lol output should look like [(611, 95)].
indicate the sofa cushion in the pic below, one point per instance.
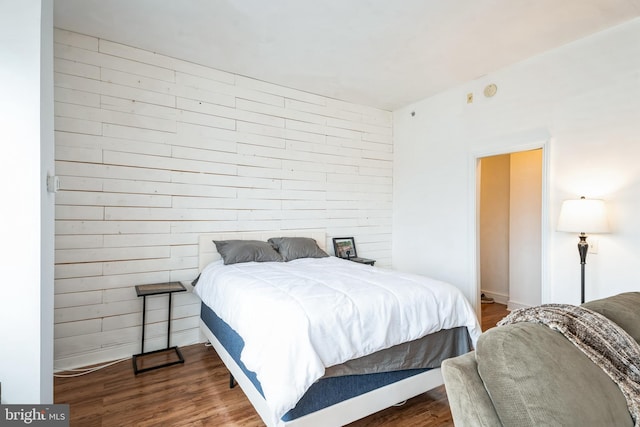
[(623, 309), (536, 377)]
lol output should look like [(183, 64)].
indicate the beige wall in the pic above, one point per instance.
[(510, 227), (525, 229), (494, 227)]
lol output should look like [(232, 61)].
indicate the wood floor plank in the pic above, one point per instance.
[(197, 394)]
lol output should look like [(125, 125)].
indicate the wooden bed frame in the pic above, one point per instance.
[(340, 413)]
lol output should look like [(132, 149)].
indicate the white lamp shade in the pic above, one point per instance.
[(583, 216)]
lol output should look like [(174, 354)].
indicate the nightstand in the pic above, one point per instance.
[(363, 260), (157, 289)]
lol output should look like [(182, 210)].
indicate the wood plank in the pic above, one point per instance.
[(76, 68), (274, 89), (110, 254), (75, 39), (79, 97)]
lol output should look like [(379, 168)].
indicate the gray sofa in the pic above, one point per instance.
[(527, 374)]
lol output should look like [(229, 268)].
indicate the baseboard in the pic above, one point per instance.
[(514, 305), (499, 298)]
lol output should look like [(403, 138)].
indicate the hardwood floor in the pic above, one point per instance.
[(181, 395), (492, 314)]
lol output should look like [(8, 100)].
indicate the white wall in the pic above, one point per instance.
[(586, 95), (26, 219), (153, 151)]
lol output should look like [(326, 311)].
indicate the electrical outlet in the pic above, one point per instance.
[(593, 245)]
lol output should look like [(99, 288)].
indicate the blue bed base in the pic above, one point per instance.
[(325, 392)]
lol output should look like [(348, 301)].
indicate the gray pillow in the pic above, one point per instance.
[(237, 251), (297, 247)]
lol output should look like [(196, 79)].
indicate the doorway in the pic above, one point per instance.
[(510, 229)]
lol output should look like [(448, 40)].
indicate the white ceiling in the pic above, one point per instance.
[(381, 53)]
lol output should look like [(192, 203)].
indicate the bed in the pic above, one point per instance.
[(323, 368)]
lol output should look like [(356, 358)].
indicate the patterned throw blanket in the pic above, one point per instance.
[(601, 340)]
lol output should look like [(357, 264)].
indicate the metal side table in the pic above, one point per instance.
[(157, 289)]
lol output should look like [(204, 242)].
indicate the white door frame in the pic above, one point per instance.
[(474, 215)]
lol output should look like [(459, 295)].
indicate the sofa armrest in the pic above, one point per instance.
[(470, 404)]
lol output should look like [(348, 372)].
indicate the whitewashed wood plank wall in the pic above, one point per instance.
[(152, 151)]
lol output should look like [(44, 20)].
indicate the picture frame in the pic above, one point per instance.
[(345, 247)]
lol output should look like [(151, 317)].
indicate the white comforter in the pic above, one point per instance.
[(298, 317)]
